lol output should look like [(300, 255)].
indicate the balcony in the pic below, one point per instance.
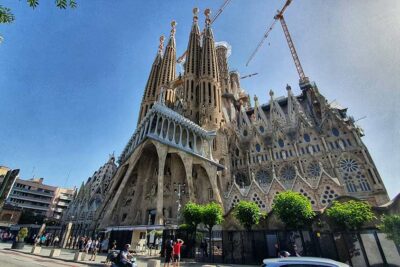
[(31, 198), (33, 207), (34, 192)]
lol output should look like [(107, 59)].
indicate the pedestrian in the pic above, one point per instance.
[(43, 240), (177, 252), (95, 248), (81, 244), (168, 252), (56, 241), (203, 246), (114, 245), (88, 245)]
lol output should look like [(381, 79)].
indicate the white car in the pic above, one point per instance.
[(302, 262)]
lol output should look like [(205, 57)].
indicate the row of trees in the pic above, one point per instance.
[(295, 211)]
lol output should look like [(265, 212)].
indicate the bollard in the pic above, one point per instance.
[(36, 250), (153, 263), (78, 256), (55, 252), (83, 257)]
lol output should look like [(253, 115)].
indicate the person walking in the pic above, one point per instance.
[(168, 252), (88, 245), (95, 249), (177, 252)]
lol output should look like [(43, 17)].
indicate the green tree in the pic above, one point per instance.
[(351, 214), (23, 232), (192, 214), (391, 226), (6, 15), (212, 215), (247, 213), (293, 209)]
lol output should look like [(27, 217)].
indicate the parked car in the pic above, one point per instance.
[(302, 262)]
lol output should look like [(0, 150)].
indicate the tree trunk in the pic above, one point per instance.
[(209, 235)]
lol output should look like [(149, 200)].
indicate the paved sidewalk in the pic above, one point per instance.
[(67, 256)]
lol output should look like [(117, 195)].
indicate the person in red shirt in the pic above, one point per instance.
[(177, 252)]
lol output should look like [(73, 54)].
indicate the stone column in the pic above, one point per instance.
[(212, 175), (66, 235), (188, 163), (162, 154)]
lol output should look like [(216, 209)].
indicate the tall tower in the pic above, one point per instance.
[(168, 63), (192, 66), (149, 95), (210, 89)]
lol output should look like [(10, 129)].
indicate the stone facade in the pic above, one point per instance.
[(89, 198), (199, 138)]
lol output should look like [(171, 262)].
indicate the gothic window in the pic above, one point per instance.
[(263, 177), (304, 193), (288, 173), (281, 143), (307, 138), (335, 131), (314, 170), (257, 199), (241, 179), (235, 201), (353, 175), (328, 195), (258, 147), (348, 165)]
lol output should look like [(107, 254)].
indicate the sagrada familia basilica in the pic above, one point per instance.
[(200, 139)]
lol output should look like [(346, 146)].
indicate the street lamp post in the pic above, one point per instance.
[(179, 190)]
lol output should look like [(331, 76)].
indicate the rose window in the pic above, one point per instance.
[(241, 179), (263, 177), (288, 172), (314, 170), (348, 165)]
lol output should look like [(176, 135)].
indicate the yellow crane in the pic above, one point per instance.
[(279, 16)]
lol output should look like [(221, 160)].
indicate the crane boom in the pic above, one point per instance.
[(261, 42), (220, 10), (279, 16), (296, 59)]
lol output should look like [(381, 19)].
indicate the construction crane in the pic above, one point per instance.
[(226, 2), (248, 76), (279, 16)]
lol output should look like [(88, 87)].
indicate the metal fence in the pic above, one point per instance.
[(363, 248)]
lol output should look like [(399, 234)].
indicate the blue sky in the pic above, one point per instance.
[(71, 81)]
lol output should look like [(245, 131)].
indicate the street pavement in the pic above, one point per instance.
[(23, 258)]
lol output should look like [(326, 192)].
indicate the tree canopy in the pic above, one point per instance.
[(212, 215), (293, 209), (391, 226), (247, 213), (192, 214), (351, 214), (6, 15)]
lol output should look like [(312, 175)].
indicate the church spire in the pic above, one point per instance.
[(168, 64), (209, 67), (210, 88), (191, 89), (151, 86), (193, 49)]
